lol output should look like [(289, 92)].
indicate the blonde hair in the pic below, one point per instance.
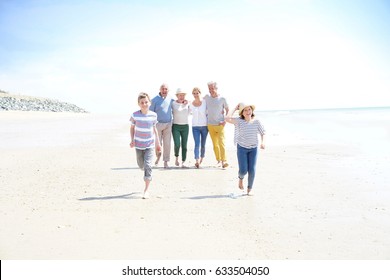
[(196, 89)]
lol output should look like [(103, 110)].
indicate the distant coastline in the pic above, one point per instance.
[(14, 102)]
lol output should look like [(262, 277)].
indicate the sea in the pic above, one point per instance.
[(364, 128)]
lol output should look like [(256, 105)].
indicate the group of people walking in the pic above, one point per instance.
[(173, 121), (161, 118)]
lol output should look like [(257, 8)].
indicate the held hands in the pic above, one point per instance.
[(185, 101)]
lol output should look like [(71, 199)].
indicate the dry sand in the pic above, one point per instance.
[(70, 189)]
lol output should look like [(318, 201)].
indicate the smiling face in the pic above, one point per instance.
[(247, 112), (144, 102), (181, 96), (196, 93), (213, 90), (164, 90)]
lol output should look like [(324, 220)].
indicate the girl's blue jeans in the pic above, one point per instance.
[(200, 134), (247, 163)]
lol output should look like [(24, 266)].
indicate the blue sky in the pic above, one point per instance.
[(280, 54)]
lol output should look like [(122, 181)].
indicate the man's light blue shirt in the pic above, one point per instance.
[(163, 108)]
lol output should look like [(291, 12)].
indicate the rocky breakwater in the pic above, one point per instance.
[(12, 102)]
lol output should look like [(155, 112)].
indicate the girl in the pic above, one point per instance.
[(247, 129)]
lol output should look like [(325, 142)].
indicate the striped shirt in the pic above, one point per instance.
[(144, 124), (246, 134)]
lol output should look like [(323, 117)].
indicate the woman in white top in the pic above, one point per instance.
[(199, 126), (180, 127), (247, 129)]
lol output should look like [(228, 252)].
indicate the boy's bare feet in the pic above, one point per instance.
[(146, 195)]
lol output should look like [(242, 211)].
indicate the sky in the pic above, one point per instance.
[(279, 55)]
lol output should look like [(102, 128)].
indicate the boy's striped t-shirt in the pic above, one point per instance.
[(144, 123)]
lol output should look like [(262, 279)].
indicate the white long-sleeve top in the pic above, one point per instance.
[(199, 114), (180, 113)]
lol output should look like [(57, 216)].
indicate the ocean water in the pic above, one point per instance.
[(367, 129)]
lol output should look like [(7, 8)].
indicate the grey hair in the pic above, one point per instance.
[(212, 84), (163, 85)]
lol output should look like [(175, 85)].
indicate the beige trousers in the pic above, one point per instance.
[(165, 135)]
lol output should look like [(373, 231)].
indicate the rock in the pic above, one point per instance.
[(9, 102)]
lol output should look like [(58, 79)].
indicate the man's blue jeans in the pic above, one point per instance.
[(200, 134), (247, 163)]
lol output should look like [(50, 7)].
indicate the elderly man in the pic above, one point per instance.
[(217, 108), (162, 106)]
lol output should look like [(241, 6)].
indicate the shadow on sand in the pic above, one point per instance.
[(132, 195), (230, 195)]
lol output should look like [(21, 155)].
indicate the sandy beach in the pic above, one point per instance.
[(70, 189)]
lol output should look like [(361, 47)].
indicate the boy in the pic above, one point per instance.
[(144, 138)]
